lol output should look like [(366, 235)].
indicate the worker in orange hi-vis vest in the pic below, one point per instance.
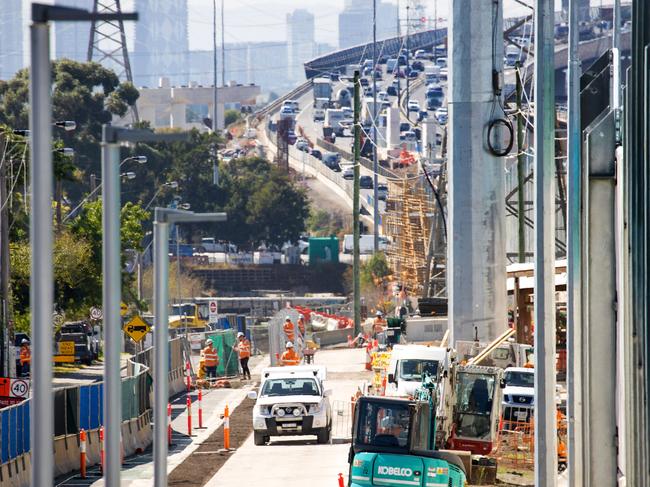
[(379, 324), (289, 329), (211, 359), (289, 357), (301, 325), (243, 349), (25, 358)]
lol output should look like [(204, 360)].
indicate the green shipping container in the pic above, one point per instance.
[(323, 249)]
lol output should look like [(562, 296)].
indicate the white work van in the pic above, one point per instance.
[(292, 401), (408, 364)]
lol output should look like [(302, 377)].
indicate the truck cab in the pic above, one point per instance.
[(292, 401), (189, 315), (393, 445), (408, 365), (518, 394)]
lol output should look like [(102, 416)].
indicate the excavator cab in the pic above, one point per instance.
[(477, 408), (393, 445)]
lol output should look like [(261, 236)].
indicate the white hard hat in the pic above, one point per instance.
[(288, 318), (289, 345), (24, 341), (240, 334), (208, 341), (379, 313)]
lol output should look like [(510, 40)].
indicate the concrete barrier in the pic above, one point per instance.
[(334, 337)]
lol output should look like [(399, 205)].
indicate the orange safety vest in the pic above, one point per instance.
[(25, 355), (290, 357), (210, 356), (244, 348), (289, 328), (301, 325)]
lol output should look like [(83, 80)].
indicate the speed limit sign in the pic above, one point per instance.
[(19, 388)]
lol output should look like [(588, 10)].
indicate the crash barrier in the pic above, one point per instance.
[(515, 446), (342, 417), (331, 337), (276, 104), (223, 341), (365, 162)]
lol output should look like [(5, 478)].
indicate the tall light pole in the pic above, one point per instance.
[(215, 125), (375, 202), (163, 217), (112, 288), (41, 277), (544, 137)]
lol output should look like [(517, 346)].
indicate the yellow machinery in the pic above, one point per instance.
[(189, 315)]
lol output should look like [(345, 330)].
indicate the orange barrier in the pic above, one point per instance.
[(82, 453), (200, 410), (101, 448), (341, 481), (189, 416), (169, 423), (226, 428)]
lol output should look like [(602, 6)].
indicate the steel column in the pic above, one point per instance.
[(544, 137), (41, 277), (112, 298), (161, 347)]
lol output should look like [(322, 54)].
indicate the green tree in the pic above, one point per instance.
[(231, 116)]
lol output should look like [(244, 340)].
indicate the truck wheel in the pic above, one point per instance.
[(324, 435), (259, 439)]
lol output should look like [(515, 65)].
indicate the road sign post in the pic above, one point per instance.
[(214, 311)]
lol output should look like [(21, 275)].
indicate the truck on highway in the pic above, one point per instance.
[(292, 401), (432, 74), (393, 443), (320, 105), (338, 120), (322, 88)]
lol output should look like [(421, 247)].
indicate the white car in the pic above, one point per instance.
[(518, 394), (292, 401), (441, 115), (413, 106)]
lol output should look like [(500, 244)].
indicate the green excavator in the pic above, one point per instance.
[(393, 443)]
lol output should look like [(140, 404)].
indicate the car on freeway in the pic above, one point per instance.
[(291, 137), (292, 401), (442, 62), (332, 160), (364, 82), (391, 90), (420, 54), (365, 182), (401, 60), (518, 394), (348, 173), (382, 95), (316, 153), (408, 136), (433, 103), (286, 112), (444, 72), (417, 65), (382, 192), (377, 74), (441, 115), (412, 73), (302, 145), (422, 114), (404, 127), (413, 106), (385, 104), (391, 65), (400, 73)]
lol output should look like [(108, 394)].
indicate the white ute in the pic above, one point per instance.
[(292, 401)]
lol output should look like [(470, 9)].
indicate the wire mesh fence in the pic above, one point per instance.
[(342, 417)]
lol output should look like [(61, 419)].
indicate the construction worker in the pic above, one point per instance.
[(211, 359), (243, 349), (289, 328), (25, 358), (301, 325), (289, 357), (379, 324)]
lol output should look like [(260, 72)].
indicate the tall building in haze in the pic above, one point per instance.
[(71, 38), (161, 42), (355, 22), (300, 41), (11, 38)]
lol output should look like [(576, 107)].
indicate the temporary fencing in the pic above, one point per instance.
[(80, 408), (342, 417)]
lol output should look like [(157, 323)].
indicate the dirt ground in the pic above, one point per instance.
[(203, 463)]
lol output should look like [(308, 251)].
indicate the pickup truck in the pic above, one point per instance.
[(85, 338), (209, 244), (292, 401)]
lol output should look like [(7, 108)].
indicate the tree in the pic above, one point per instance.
[(231, 116)]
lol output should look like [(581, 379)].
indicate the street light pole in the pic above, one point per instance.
[(163, 217), (375, 168), (41, 277)]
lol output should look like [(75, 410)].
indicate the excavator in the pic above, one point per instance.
[(394, 443)]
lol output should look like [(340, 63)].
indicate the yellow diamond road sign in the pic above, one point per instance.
[(137, 328), (124, 309)]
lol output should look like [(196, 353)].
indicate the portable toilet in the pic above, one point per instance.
[(323, 249)]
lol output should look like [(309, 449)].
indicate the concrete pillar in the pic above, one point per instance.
[(476, 243), (429, 138), (392, 128)]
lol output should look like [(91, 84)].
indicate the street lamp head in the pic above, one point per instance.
[(140, 159), (128, 175), (171, 184), (66, 151), (67, 125)]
